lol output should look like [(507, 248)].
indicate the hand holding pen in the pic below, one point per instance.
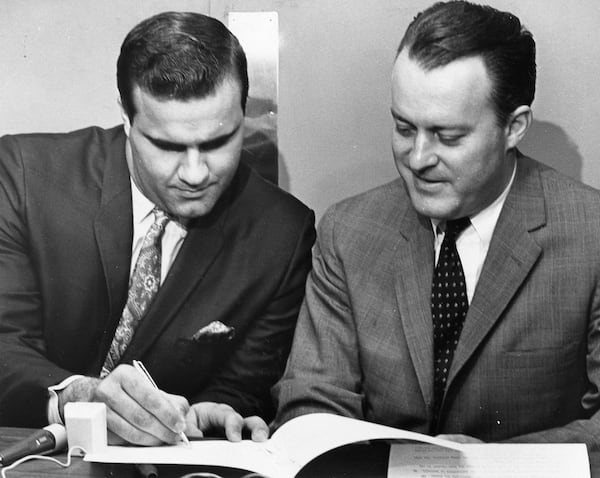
[(216, 417), (136, 412), (139, 366)]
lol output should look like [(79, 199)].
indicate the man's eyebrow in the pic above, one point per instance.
[(398, 116), (450, 127), (220, 140), (163, 143), (211, 143)]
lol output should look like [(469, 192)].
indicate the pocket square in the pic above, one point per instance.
[(214, 331)]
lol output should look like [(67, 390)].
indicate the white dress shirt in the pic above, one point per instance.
[(143, 218), (473, 243), (171, 242)]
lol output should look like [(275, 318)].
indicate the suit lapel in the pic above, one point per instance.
[(511, 255), (202, 245), (414, 269), (113, 227), (199, 250)]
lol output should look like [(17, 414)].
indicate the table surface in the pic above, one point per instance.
[(83, 469), (358, 460)]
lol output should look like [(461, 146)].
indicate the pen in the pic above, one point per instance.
[(140, 367)]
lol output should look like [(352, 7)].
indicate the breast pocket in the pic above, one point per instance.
[(196, 353), (547, 378)]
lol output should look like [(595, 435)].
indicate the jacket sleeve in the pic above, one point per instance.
[(25, 372), (323, 371)]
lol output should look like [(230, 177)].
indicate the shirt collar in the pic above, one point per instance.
[(142, 206), (485, 220)]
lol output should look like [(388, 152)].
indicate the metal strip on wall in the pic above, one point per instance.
[(258, 32)]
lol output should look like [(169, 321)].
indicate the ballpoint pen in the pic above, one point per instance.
[(140, 367)]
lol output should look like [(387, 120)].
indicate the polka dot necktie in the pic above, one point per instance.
[(449, 305), (143, 286)]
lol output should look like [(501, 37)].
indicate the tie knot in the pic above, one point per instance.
[(455, 226), (161, 219)]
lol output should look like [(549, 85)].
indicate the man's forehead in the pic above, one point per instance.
[(460, 71), (460, 85), (229, 83), (189, 121)]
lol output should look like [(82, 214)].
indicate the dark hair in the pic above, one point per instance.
[(179, 55), (448, 31)]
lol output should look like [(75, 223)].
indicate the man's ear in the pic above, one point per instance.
[(124, 117), (518, 124)]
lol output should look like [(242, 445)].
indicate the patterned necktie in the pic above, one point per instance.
[(143, 286), (449, 305)]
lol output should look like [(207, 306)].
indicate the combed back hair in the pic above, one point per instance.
[(179, 56), (449, 31)]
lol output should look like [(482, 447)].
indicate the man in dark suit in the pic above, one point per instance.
[(463, 298), (150, 241)]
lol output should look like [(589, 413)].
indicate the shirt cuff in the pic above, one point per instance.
[(52, 409)]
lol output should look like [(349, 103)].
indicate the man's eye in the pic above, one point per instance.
[(404, 131), (450, 140), (170, 147)]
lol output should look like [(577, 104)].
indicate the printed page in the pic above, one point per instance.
[(489, 461)]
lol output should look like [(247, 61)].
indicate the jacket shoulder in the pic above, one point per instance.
[(380, 206), (259, 196), (560, 191), (46, 150), (49, 141)]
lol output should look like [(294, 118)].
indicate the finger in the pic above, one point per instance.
[(154, 400), (135, 404), (191, 428), (218, 416), (118, 406), (180, 403), (233, 424), (211, 415), (168, 410), (114, 439), (127, 419), (259, 431), (122, 430)]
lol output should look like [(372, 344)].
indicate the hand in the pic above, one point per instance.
[(458, 438), (136, 412), (205, 417)]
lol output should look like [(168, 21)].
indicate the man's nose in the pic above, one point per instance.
[(423, 154), (193, 168)]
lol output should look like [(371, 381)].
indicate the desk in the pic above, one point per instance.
[(83, 469), (359, 462)]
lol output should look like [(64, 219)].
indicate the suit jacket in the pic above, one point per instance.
[(65, 253), (527, 365)]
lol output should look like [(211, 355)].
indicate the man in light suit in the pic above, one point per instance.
[(74, 213), (525, 363)]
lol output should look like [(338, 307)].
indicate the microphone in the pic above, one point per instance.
[(48, 439)]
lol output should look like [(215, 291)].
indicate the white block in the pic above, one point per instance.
[(86, 426)]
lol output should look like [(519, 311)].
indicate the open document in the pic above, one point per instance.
[(304, 438), (514, 460)]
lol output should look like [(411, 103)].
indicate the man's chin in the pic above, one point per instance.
[(192, 211), (433, 208)]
